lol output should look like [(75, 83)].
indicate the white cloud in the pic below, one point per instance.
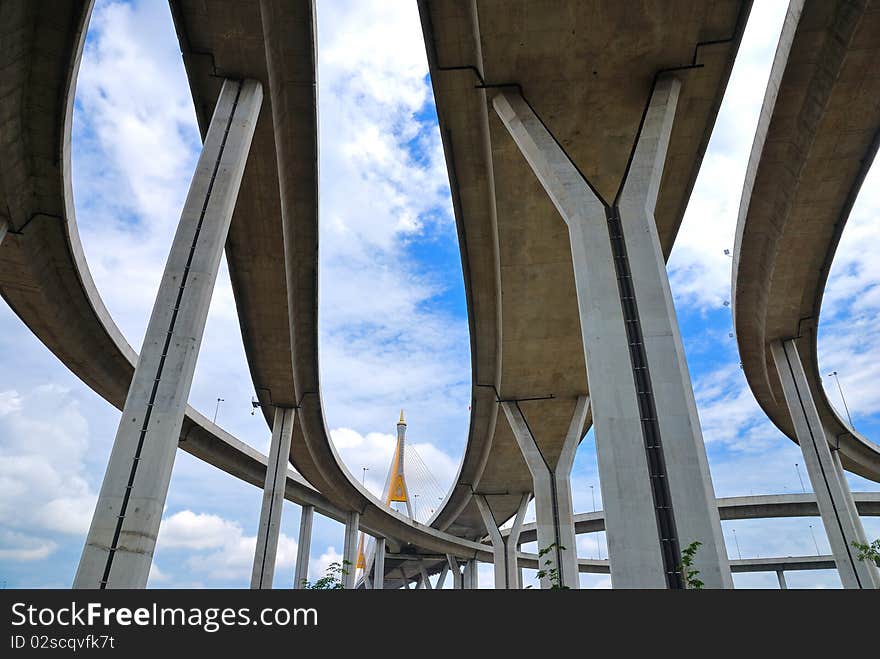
[(699, 271), (197, 531), (22, 547), (217, 548), (44, 487)]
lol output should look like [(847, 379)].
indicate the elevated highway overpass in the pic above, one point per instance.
[(817, 135), (527, 330)]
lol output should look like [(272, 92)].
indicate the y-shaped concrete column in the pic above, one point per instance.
[(442, 578), (119, 547), (554, 512), (832, 492), (455, 569), (425, 581), (379, 565), (658, 495), (349, 549), (504, 546), (273, 499), (303, 546)]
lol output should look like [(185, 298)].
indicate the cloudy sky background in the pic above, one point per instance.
[(393, 318)]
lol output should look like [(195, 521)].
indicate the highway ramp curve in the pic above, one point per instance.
[(817, 135)]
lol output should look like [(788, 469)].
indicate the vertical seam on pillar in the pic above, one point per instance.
[(664, 514), (554, 502), (819, 461), (120, 519)]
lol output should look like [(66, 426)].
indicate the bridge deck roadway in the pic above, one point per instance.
[(817, 136), (587, 68)]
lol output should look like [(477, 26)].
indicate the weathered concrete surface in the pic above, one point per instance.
[(43, 272), (817, 135), (588, 69), (118, 552)]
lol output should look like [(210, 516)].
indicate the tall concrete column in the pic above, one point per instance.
[(504, 547), (4, 228), (379, 565), (273, 499), (842, 526), (653, 470), (425, 581), (349, 549), (119, 547), (303, 546), (554, 513), (455, 569), (471, 577)]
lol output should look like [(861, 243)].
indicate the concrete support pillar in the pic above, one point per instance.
[(303, 547), (554, 512), (349, 549), (836, 507), (471, 578), (119, 547), (425, 581), (273, 500), (4, 228), (379, 565), (780, 575), (442, 578), (455, 569), (504, 546), (654, 474)]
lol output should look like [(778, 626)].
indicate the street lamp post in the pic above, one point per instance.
[(842, 398)]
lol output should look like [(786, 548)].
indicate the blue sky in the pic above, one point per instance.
[(393, 328)]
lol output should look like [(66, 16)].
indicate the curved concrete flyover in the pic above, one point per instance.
[(43, 272), (588, 70), (44, 276), (817, 135), (272, 249)]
